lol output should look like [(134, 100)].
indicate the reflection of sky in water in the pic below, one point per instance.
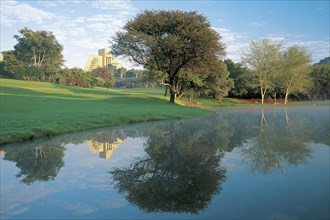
[(83, 171), (83, 187)]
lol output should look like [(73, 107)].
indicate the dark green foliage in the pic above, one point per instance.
[(75, 77), (3, 73), (120, 72), (238, 73), (324, 61), (12, 66), (131, 83), (217, 84), (137, 79), (321, 81), (104, 77), (134, 73)]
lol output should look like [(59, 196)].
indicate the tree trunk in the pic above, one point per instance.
[(263, 122), (173, 91), (172, 97), (166, 88), (286, 96), (35, 59), (262, 95), (181, 95), (42, 59)]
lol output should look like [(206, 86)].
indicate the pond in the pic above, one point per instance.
[(270, 163)]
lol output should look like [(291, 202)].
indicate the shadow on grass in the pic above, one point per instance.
[(79, 94)]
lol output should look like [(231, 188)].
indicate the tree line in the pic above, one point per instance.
[(182, 53)]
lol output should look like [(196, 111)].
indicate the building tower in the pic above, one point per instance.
[(103, 59)]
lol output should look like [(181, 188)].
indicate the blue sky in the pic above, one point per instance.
[(82, 27)]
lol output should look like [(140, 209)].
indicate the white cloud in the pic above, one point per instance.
[(50, 4), (234, 42), (258, 24), (318, 49), (79, 208), (14, 12), (105, 27), (105, 23), (113, 5), (69, 11), (275, 38), (90, 43), (228, 35)]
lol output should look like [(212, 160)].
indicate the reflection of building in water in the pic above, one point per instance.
[(2, 152), (104, 149)]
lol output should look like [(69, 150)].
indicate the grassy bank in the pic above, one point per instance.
[(33, 109)]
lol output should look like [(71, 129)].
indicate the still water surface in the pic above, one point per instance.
[(237, 164)]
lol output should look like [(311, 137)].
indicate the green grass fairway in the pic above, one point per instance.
[(33, 109)]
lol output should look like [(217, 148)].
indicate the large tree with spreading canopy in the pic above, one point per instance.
[(37, 55), (168, 42)]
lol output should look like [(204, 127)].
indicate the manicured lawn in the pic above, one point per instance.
[(33, 109)]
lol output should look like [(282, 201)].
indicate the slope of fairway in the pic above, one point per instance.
[(34, 109)]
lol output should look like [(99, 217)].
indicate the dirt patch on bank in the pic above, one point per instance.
[(266, 101)]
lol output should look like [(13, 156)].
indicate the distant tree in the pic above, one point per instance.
[(36, 56), (167, 41), (263, 59), (134, 73), (130, 74), (321, 81), (106, 74), (13, 66), (137, 79), (238, 73), (38, 48), (217, 83), (120, 72), (295, 76), (75, 77), (99, 81), (2, 70), (324, 61)]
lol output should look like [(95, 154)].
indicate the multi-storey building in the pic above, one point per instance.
[(103, 59)]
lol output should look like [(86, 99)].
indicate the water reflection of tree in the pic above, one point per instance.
[(38, 162), (180, 172), (280, 142)]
